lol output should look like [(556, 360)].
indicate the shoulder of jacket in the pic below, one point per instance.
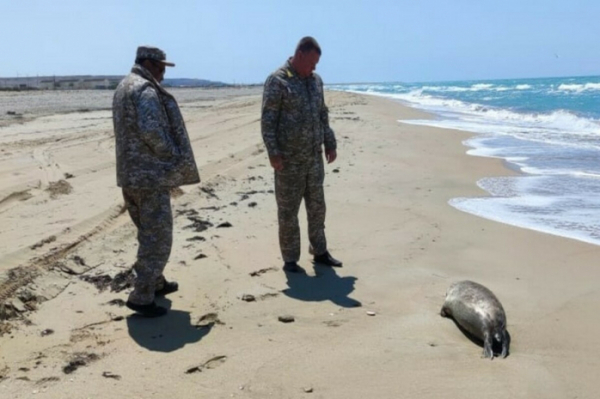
[(283, 74), (133, 84), (317, 77)]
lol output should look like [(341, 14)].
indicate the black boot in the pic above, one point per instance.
[(169, 287), (293, 267), (327, 260), (151, 310)]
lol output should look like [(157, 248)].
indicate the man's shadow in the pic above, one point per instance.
[(166, 333), (326, 285)]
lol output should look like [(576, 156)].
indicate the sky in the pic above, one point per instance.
[(242, 41)]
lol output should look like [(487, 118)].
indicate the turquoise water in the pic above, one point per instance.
[(548, 128)]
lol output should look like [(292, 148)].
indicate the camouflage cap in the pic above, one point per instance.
[(152, 53)]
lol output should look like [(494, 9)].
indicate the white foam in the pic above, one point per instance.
[(579, 87), (557, 151), (575, 222)]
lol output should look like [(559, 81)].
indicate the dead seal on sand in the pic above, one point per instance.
[(479, 314)]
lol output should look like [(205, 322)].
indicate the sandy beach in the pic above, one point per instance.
[(371, 329)]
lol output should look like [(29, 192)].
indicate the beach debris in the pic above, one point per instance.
[(101, 281), (195, 369), (46, 380), (248, 298), (371, 313), (210, 208), (308, 389), (78, 360), (46, 332), (198, 225), (262, 271), (188, 212), (196, 238), (79, 260), (286, 318), (225, 224), (108, 374), (120, 282), (208, 365), (209, 191), (24, 300), (61, 187)]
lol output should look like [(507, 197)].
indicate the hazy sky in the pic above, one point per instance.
[(242, 41)]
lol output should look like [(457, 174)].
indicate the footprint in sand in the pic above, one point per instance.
[(334, 323), (208, 320)]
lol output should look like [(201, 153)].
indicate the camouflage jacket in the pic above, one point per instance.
[(295, 121), (152, 144)]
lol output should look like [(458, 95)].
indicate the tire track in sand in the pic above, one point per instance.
[(23, 269)]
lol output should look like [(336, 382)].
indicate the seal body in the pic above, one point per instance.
[(477, 310)]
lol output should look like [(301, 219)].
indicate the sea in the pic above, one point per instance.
[(548, 129)]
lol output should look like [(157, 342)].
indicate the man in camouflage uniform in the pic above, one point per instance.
[(295, 125), (154, 155)]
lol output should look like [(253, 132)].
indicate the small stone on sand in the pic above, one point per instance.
[(286, 318)]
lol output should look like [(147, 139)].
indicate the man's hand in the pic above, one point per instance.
[(330, 155), (276, 162)]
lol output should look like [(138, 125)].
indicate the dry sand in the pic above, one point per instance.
[(64, 239)]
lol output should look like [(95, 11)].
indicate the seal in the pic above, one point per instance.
[(478, 312)]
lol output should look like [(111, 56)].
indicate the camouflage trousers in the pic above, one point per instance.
[(150, 210), (292, 184)]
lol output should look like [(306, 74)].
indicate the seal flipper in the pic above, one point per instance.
[(488, 341), (505, 343)]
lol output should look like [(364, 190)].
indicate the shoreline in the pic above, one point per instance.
[(389, 221), (513, 170)]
